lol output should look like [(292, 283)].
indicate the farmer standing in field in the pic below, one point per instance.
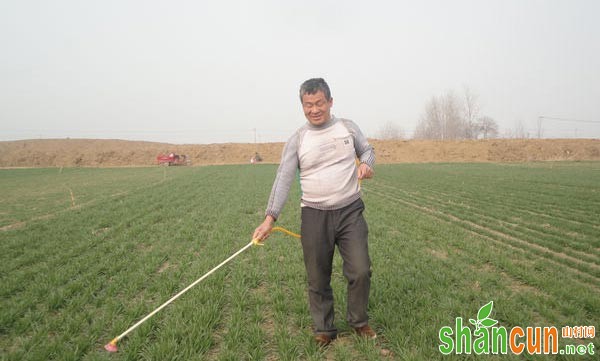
[(325, 151)]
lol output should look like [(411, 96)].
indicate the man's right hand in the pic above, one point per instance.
[(263, 231), (364, 171)]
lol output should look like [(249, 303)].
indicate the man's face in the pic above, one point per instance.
[(317, 109)]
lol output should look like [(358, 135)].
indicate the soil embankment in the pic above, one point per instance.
[(110, 153)]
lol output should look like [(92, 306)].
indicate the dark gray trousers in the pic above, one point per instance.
[(321, 231)]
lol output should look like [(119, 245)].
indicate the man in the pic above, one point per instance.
[(325, 151)]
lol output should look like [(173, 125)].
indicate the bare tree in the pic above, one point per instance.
[(455, 126), (520, 130), (390, 130), (442, 119), (487, 127), (470, 113), (429, 126)]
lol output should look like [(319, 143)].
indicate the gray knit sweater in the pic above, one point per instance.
[(326, 157)]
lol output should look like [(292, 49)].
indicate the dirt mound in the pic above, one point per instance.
[(495, 150), (109, 153)]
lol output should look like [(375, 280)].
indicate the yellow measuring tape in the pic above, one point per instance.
[(280, 229), (112, 345), (258, 242)]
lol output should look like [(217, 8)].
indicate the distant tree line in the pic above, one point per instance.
[(448, 117)]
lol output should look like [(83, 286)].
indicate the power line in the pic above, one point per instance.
[(571, 120)]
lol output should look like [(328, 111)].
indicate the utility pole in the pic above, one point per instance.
[(539, 127)]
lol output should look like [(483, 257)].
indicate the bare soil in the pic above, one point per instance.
[(111, 153)]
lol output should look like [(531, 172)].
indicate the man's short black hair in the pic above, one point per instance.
[(312, 86)]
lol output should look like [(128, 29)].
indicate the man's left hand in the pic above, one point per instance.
[(364, 171)]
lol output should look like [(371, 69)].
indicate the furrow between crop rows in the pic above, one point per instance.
[(518, 209), (497, 221), (490, 193), (534, 250), (484, 198)]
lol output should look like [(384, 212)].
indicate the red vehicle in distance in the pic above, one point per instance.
[(171, 159)]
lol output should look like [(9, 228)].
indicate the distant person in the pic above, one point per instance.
[(256, 158), (325, 150)]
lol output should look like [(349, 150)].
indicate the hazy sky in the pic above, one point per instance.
[(212, 71)]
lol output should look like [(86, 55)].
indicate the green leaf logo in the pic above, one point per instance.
[(485, 311), (483, 317)]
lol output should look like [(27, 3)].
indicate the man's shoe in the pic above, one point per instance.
[(366, 331), (323, 340)]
